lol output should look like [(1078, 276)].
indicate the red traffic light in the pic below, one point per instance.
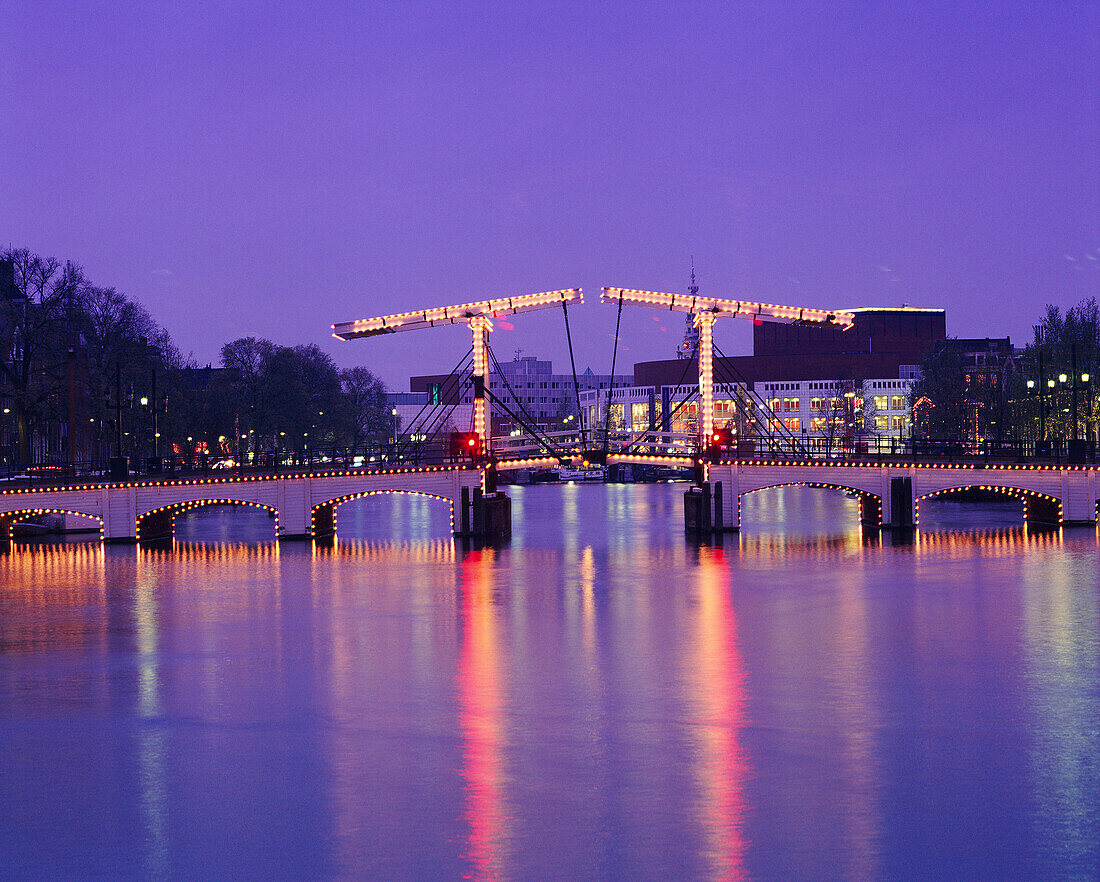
[(465, 444)]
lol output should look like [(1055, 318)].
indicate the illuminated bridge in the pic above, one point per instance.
[(462, 470), (305, 506)]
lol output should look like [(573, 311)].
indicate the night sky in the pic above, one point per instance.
[(270, 168)]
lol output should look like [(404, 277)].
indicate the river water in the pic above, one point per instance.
[(598, 698)]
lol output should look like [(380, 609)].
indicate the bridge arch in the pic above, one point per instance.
[(160, 523), (870, 504), (322, 517), (1038, 507), (9, 518)]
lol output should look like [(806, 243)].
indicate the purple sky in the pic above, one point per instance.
[(275, 168)]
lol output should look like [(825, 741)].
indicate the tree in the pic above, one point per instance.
[(1063, 342), (245, 393), (936, 399), (119, 357), (365, 411), (38, 340), (292, 393)]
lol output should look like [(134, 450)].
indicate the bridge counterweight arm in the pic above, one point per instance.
[(765, 312), (453, 315)]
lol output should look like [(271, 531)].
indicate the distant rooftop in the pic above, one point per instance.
[(893, 309)]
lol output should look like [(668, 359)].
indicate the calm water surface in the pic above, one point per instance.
[(600, 698)]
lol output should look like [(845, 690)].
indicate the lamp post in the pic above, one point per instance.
[(1050, 392), (1073, 367), (6, 434), (1042, 413), (144, 401), (1030, 392), (849, 420), (1085, 378), (1076, 380)]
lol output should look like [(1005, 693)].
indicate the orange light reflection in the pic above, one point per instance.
[(717, 685), (480, 701)]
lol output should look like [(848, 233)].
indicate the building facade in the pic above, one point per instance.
[(823, 413), (526, 386)]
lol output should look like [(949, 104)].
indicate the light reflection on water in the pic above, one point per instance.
[(599, 697)]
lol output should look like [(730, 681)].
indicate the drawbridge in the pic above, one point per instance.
[(748, 423)]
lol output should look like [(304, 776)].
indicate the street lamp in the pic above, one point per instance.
[(1088, 404), (1030, 392), (1075, 379)]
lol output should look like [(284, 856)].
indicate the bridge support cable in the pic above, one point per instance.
[(573, 365), (755, 410), (440, 425), (418, 422), (530, 424), (755, 413), (543, 441), (730, 376), (452, 384), (653, 422), (611, 381)]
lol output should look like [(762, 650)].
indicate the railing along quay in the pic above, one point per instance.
[(401, 455), (373, 458)]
